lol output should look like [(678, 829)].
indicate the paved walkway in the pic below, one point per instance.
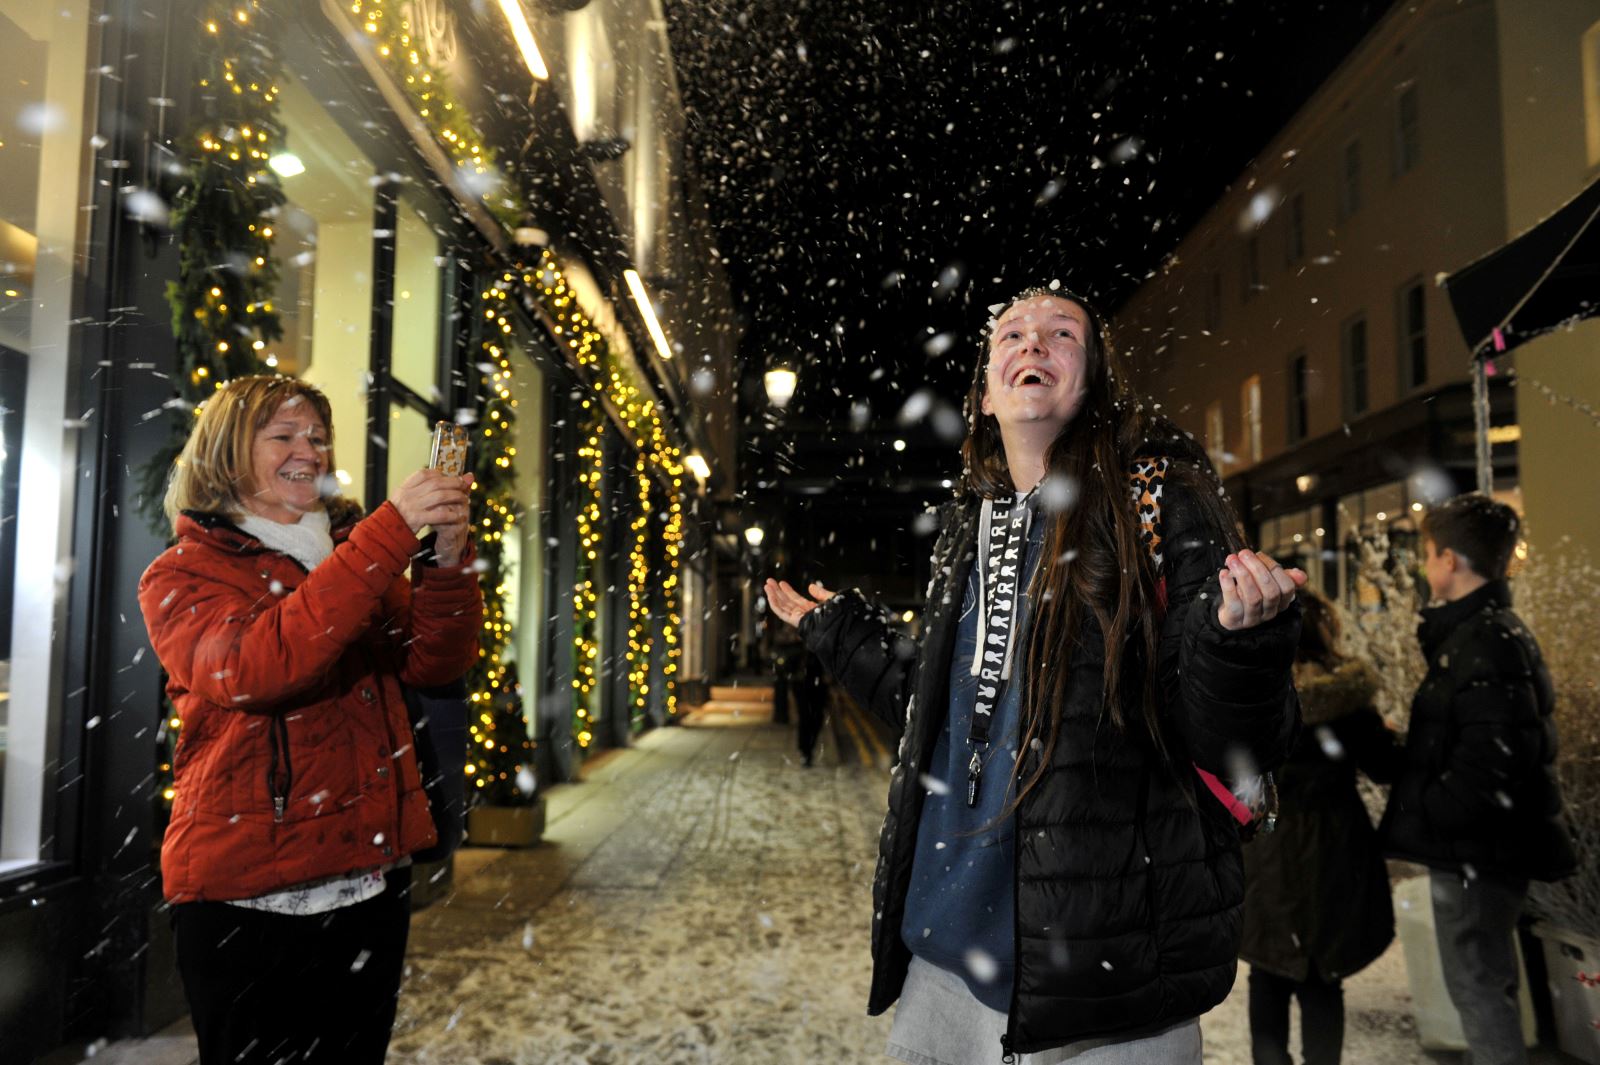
[(700, 898)]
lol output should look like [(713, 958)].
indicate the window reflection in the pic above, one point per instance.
[(324, 250)]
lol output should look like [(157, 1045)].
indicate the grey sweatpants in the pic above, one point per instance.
[(940, 1022), (1475, 918)]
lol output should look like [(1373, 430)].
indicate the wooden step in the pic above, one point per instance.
[(721, 714), (740, 693)]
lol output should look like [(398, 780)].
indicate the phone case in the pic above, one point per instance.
[(449, 454)]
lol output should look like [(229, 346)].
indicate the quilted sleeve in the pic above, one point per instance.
[(1229, 694), (236, 648)]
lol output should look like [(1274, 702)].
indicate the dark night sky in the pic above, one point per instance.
[(881, 172)]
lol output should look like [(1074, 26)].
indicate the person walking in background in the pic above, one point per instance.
[(811, 700), (1476, 798), (1316, 903), (1053, 882), (286, 624)]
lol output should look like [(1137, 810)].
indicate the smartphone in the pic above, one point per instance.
[(449, 454)]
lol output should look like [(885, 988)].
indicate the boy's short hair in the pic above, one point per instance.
[(1481, 532)]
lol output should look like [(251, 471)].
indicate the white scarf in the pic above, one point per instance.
[(308, 541)]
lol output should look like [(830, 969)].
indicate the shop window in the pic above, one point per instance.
[(526, 603), (44, 53), (1412, 323), (1407, 130), (1250, 409), (325, 253), (1350, 180), (1353, 346), (418, 298)]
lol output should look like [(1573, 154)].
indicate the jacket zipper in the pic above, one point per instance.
[(280, 751), (279, 737), (1008, 1038)]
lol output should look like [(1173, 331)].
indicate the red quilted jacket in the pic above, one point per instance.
[(295, 758)]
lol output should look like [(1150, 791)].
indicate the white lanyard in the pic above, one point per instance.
[(1003, 539)]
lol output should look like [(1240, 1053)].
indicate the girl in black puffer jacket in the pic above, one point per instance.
[(1316, 904), (1053, 878)]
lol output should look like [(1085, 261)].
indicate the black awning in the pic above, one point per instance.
[(1546, 278)]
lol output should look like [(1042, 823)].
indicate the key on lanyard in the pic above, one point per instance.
[(974, 771)]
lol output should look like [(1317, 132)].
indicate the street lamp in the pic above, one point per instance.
[(780, 384), (754, 535)]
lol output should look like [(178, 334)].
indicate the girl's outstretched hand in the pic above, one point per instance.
[(1255, 589), (791, 605)]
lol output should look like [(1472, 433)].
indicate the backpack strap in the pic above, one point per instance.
[(1146, 482)]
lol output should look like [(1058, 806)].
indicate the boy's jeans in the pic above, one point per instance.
[(1475, 919)]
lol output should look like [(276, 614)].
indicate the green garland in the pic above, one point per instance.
[(502, 764), (221, 303)]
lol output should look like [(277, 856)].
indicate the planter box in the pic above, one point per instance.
[(505, 826), (1438, 1023), (1572, 963)]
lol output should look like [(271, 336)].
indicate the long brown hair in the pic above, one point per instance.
[(1093, 555)]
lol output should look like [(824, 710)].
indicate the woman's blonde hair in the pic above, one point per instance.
[(216, 459)]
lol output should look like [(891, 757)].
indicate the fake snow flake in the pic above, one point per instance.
[(526, 783), (934, 785), (360, 961), (1106, 965), (765, 919), (982, 966), (527, 936), (1330, 744), (1057, 493), (378, 839)]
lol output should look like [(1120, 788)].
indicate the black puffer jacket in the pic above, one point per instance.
[(1479, 788), (1128, 884), (1316, 890)]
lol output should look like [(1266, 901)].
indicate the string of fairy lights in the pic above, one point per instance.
[(585, 598), (224, 321), (639, 633)]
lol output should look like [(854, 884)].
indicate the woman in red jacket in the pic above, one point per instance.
[(287, 627)]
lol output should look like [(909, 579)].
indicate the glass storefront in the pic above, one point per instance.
[(43, 148), (324, 248)]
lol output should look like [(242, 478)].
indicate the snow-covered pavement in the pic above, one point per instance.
[(702, 898)]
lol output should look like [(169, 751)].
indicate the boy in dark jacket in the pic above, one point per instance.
[(1476, 799)]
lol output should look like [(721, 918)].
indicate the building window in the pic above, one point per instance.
[(1216, 436), (1214, 302), (1353, 347), (1413, 335), (1250, 404), (1294, 248), (1299, 387), (1591, 91), (1250, 276), (1407, 131), (1350, 180)]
